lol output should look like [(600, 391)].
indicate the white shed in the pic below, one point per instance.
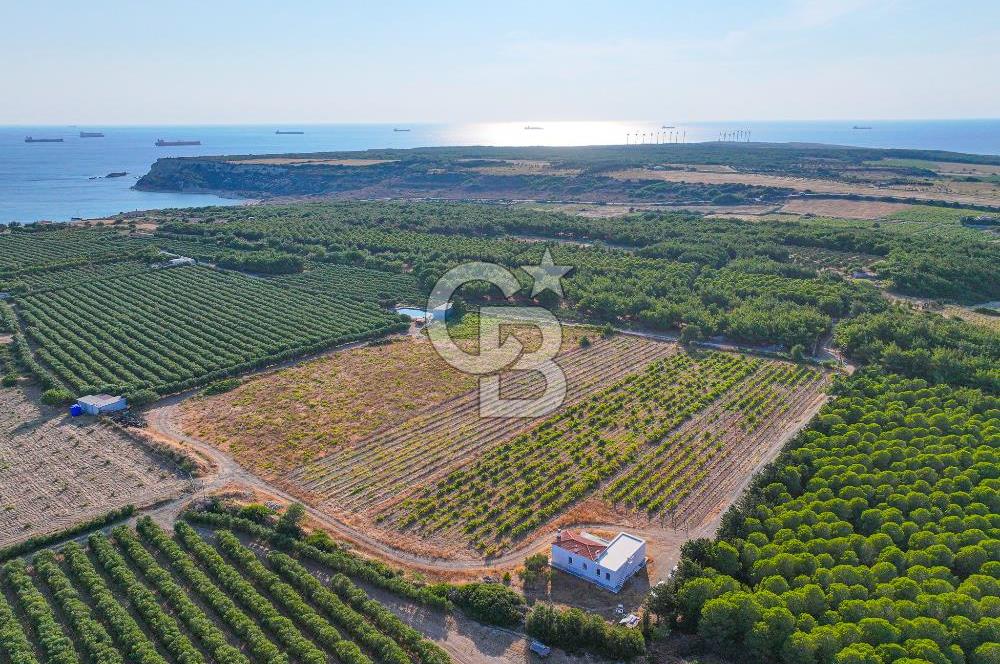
[(606, 564), (96, 404), (180, 260)]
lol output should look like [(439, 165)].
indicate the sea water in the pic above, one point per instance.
[(59, 181)]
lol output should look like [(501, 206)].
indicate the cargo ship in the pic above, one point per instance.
[(29, 139), (279, 131), (91, 134), (395, 129), (529, 127), (160, 143)]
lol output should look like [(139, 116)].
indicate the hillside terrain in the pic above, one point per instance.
[(721, 173)]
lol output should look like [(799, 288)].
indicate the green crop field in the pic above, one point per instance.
[(56, 278), (628, 437), (358, 283), (51, 248), (144, 596), (174, 328)]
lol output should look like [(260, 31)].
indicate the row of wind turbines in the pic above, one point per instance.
[(680, 136), (740, 136), (655, 137)]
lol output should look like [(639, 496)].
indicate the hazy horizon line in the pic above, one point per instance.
[(487, 122)]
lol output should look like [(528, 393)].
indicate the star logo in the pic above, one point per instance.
[(547, 275)]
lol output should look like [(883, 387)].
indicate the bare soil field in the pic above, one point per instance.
[(55, 471), (969, 193), (835, 207)]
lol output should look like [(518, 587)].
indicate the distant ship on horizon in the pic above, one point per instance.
[(398, 129), (860, 127), (529, 127), (667, 127), (29, 139), (160, 143), (91, 134), (282, 131)]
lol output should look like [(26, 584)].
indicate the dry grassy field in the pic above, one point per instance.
[(968, 193), (277, 422), (55, 471), (957, 169), (523, 167), (972, 316), (835, 207), (376, 472)]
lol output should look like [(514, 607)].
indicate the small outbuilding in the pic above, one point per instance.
[(98, 404), (179, 261), (608, 564)]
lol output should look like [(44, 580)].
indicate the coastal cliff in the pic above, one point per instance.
[(417, 178), (680, 174)]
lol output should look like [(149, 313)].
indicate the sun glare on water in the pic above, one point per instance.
[(560, 133)]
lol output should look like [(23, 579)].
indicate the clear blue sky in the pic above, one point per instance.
[(216, 61)]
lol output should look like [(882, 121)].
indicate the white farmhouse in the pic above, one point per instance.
[(607, 564)]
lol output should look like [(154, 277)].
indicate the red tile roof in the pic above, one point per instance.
[(575, 542)]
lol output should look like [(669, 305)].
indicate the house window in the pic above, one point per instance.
[(571, 560), (607, 576), (597, 571), (585, 566)]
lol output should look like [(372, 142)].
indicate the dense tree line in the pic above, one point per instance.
[(665, 271), (42, 541), (574, 630), (925, 345), (263, 262), (873, 538), (134, 644), (144, 601), (53, 643), (329, 554), (210, 636), (90, 634)]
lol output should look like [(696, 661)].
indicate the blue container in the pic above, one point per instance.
[(76, 410)]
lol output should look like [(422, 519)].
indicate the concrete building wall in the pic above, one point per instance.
[(582, 567)]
